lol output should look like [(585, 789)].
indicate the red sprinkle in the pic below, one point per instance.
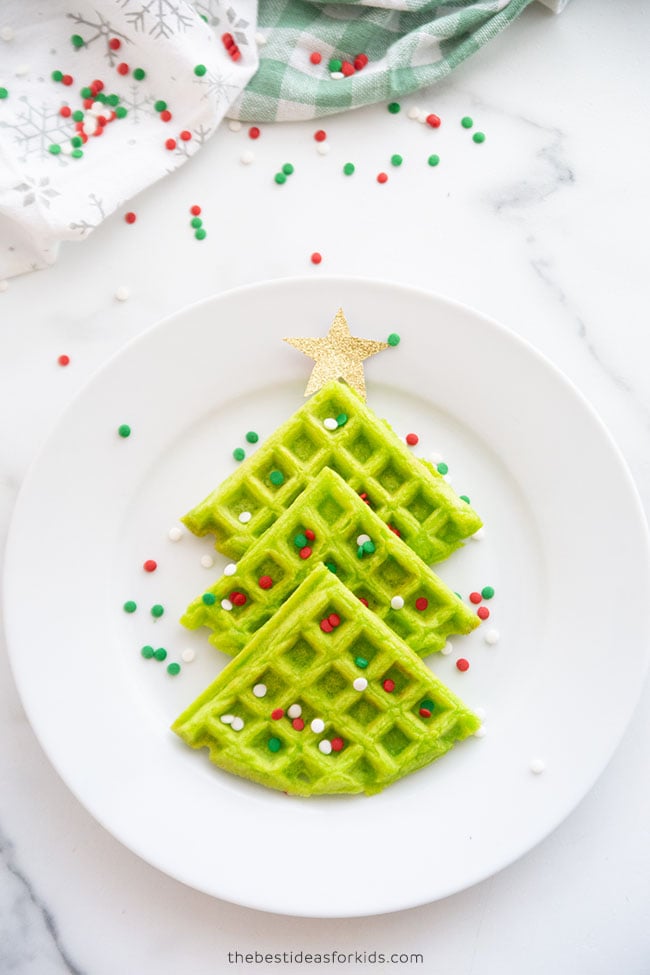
[(334, 620), (462, 664), (115, 43), (64, 360), (382, 177), (195, 210), (475, 597), (234, 53), (362, 599), (433, 121), (482, 612), (150, 565), (166, 116), (360, 61), (253, 132), (425, 713), (237, 598), (305, 552), (67, 79), (421, 603), (394, 530), (96, 86), (65, 111), (277, 714), (320, 135), (326, 626), (185, 135), (265, 582), (347, 69), (228, 40), (88, 102), (309, 534), (389, 685), (170, 144), (316, 258), (315, 57), (412, 439), (123, 68), (130, 217), (337, 744), (298, 724)]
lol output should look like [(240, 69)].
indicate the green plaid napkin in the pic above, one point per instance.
[(410, 44)]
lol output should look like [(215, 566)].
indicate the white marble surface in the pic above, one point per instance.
[(542, 228)]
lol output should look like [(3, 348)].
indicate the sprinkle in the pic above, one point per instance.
[(121, 111), (253, 132), (480, 732), (412, 439), (336, 75), (368, 547), (325, 746), (139, 74), (483, 612), (124, 430), (360, 683), (77, 40), (238, 598), (316, 258), (150, 565), (388, 685), (294, 711), (362, 538), (298, 724), (475, 597), (393, 339), (188, 655), (170, 144), (227, 718), (487, 592), (305, 552), (200, 70), (337, 744), (245, 517), (413, 112), (433, 160), (300, 540), (433, 121), (277, 714), (65, 111), (335, 64), (238, 453), (394, 108), (234, 125), (361, 662), (462, 664), (276, 478), (230, 569), (265, 582), (537, 765), (57, 76), (447, 649), (186, 135), (160, 654), (274, 744), (237, 724), (421, 604), (259, 690), (422, 116), (129, 606), (260, 40), (310, 535), (175, 533), (396, 160), (315, 57), (334, 620), (424, 713), (397, 602), (147, 653), (77, 154), (55, 149), (323, 148), (122, 293), (348, 169), (201, 233), (227, 605), (467, 122), (326, 626), (115, 43), (130, 217), (320, 135), (317, 726), (166, 116), (442, 468), (330, 423), (331, 566), (491, 637), (208, 598), (478, 137), (360, 61), (382, 177), (287, 169), (64, 360), (173, 669), (123, 68), (347, 69), (341, 419), (157, 610), (463, 497), (7, 34), (479, 535), (247, 157)]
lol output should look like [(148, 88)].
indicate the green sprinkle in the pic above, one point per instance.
[(201, 233), (252, 437), (479, 137), (361, 552), (458, 594), (112, 100), (57, 76), (280, 178), (160, 654), (342, 419), (200, 70), (487, 592), (277, 478), (76, 141), (130, 606), (428, 704), (160, 105), (157, 610), (394, 108), (393, 339), (55, 149), (369, 547), (300, 541), (147, 652), (208, 598), (442, 468), (239, 453), (467, 122), (77, 153), (78, 116), (124, 430), (348, 169), (77, 40), (275, 744), (464, 498), (4, 92), (121, 111), (331, 567), (396, 160), (433, 160), (288, 169), (203, 17), (100, 97), (173, 669), (335, 64), (196, 222), (361, 662), (139, 74), (86, 92)]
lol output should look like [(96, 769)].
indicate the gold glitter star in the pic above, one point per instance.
[(338, 355)]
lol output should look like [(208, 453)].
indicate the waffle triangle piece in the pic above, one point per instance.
[(405, 492), (337, 518), (325, 699)]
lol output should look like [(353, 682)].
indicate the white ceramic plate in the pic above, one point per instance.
[(565, 548)]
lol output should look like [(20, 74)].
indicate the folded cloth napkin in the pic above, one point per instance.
[(154, 78)]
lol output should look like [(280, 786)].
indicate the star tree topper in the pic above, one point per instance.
[(338, 355)]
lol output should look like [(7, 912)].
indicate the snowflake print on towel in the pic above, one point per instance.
[(36, 126), (160, 18), (96, 29), (36, 191), (214, 14), (217, 85)]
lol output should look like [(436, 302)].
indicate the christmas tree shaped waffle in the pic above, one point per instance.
[(325, 699), (329, 523), (336, 429)]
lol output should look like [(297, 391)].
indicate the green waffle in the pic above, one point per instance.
[(386, 730), (337, 517), (405, 492)]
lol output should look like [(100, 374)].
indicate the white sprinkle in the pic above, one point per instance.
[(22, 70), (436, 458), (325, 746), (4, 286), (234, 125), (480, 732), (245, 517), (423, 115), (537, 766), (323, 148), (447, 649), (247, 157), (227, 718), (362, 538), (317, 726), (336, 75), (330, 423), (237, 724), (230, 569), (480, 713), (294, 711), (188, 655), (122, 293), (226, 604), (491, 637), (175, 534), (397, 602), (360, 683), (479, 535), (260, 40), (207, 561), (97, 108), (7, 34), (413, 112), (259, 690)]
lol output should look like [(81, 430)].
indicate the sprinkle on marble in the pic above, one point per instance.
[(393, 339), (447, 649), (200, 70), (122, 293), (316, 258), (382, 177), (175, 533), (157, 611), (537, 766), (491, 638), (483, 613), (348, 169), (206, 561), (478, 137), (238, 453), (479, 535), (124, 431), (188, 655), (147, 652), (130, 217), (208, 599), (433, 121), (462, 664), (234, 125), (247, 157), (254, 132), (433, 160), (412, 439), (481, 731), (150, 565), (130, 606), (259, 690), (487, 592), (173, 669), (475, 597), (413, 113), (64, 360), (394, 108), (160, 654)]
